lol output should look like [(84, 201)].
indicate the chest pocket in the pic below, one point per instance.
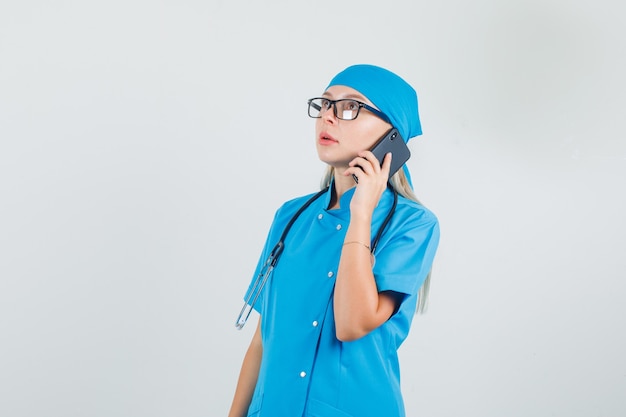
[(319, 409)]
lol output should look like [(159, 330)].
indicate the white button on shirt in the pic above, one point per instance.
[(302, 374), (314, 323)]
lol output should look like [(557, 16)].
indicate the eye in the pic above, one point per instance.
[(351, 105), (325, 103)]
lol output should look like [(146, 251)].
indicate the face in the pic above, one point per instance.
[(339, 141)]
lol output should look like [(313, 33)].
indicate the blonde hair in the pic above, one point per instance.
[(400, 183)]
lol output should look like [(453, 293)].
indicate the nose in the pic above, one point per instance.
[(329, 114)]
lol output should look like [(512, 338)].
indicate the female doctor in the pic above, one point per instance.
[(337, 306)]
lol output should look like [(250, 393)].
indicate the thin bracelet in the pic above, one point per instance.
[(360, 243)]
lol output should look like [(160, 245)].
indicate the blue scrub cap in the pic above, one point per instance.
[(389, 93)]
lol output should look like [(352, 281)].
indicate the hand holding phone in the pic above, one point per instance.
[(391, 142)]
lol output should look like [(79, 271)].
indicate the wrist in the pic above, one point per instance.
[(360, 216)]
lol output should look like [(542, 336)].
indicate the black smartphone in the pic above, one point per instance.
[(391, 142)]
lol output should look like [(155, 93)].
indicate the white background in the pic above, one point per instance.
[(144, 146)]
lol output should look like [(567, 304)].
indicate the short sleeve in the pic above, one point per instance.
[(406, 256), (281, 218), (255, 282)]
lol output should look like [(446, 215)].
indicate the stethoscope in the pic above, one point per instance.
[(274, 255)]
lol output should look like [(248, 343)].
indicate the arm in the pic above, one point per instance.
[(359, 307), (248, 376)]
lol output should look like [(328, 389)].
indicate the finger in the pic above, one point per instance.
[(355, 171), (386, 167), (363, 164), (369, 155)]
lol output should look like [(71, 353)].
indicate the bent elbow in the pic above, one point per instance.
[(349, 333)]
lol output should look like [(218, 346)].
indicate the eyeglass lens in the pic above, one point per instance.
[(344, 109)]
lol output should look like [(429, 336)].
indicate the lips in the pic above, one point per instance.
[(326, 139)]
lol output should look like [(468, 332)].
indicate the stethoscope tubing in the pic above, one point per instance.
[(272, 260)]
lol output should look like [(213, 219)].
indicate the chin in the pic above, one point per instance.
[(323, 156), (330, 158)]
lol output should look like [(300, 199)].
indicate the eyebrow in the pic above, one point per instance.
[(347, 96)]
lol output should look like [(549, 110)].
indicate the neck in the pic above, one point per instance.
[(342, 184)]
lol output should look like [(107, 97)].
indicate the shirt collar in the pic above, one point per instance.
[(344, 201)]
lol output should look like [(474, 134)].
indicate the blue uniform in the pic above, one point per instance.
[(305, 369)]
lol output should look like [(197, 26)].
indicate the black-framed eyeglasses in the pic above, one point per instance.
[(343, 109)]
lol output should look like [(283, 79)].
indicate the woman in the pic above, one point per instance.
[(333, 314)]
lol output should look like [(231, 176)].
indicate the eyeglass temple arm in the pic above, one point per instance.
[(315, 106)]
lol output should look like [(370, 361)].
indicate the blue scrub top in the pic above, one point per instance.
[(305, 370)]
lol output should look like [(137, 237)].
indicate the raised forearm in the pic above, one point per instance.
[(359, 308)]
